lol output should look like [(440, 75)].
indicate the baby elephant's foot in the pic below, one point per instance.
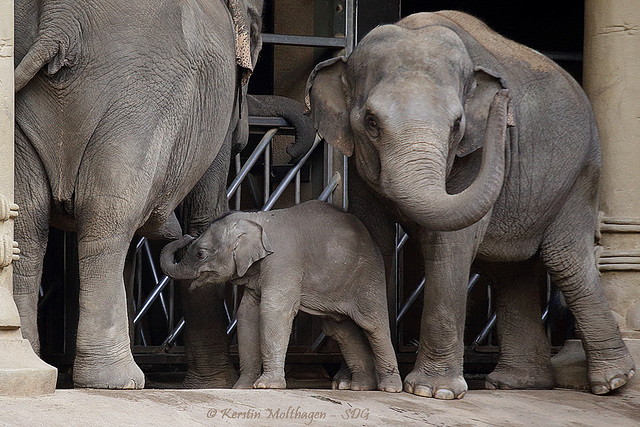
[(364, 381), (609, 373), (270, 381), (437, 386), (516, 378), (342, 379), (391, 383)]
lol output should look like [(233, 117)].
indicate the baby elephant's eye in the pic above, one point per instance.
[(201, 255)]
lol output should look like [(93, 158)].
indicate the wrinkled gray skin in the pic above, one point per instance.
[(411, 105), (291, 110), (122, 107), (289, 260)]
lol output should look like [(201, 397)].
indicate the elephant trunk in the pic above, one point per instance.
[(435, 209), (293, 112), (177, 271)]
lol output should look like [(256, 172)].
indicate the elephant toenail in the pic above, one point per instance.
[(461, 395), (617, 382), (489, 385), (408, 388), (631, 374), (444, 394), (599, 389), (423, 391)]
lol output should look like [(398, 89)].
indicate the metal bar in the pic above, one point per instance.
[(297, 192), (264, 142), (150, 299), (267, 173), (232, 326), (318, 342), (485, 331), (403, 241), (173, 335), (472, 282), (331, 186), (310, 41), (289, 177), (154, 270), (238, 191), (412, 298)]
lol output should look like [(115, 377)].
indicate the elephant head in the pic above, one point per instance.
[(225, 250), (404, 104)]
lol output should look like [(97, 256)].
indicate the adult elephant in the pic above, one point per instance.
[(423, 107), (123, 109)]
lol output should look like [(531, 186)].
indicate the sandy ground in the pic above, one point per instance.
[(319, 407)]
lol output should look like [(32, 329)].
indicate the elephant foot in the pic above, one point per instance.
[(96, 374), (436, 386), (364, 381), (225, 378), (391, 383), (246, 381), (608, 373), (516, 378), (270, 381), (342, 379)]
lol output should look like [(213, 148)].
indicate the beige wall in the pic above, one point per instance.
[(612, 82)]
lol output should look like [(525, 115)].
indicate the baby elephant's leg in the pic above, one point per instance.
[(249, 340), (376, 329), (361, 374), (277, 311)]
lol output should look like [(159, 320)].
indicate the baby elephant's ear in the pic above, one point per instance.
[(251, 245)]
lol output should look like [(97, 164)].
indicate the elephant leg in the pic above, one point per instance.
[(249, 340), (525, 361), (31, 232), (567, 253), (103, 352), (384, 356), (277, 311), (438, 368), (360, 373), (206, 344)]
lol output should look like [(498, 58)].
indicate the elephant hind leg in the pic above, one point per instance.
[(568, 254), (524, 351), (361, 374), (31, 232)]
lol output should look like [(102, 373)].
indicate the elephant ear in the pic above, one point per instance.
[(326, 101), (476, 110), (243, 40), (251, 245)]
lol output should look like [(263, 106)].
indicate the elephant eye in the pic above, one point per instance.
[(201, 255), (456, 124), (373, 125)]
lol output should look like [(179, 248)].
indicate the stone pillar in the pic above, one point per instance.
[(612, 82), (22, 373)]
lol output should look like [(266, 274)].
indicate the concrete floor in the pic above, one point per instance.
[(281, 407)]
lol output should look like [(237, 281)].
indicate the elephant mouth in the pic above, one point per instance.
[(205, 279)]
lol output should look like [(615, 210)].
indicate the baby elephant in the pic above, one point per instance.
[(311, 257)]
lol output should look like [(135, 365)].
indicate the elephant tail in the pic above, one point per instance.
[(43, 52)]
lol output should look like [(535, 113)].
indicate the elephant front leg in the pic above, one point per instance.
[(103, 352), (276, 318), (438, 368), (249, 340), (206, 345), (207, 350)]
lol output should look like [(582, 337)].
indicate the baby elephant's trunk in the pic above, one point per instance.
[(177, 271)]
